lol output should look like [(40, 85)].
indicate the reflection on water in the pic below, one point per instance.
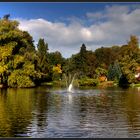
[(42, 112)]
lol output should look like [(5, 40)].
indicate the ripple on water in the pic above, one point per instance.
[(92, 113)]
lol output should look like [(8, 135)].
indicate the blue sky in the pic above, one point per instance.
[(50, 11), (65, 26)]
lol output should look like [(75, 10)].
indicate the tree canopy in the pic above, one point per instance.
[(24, 65)]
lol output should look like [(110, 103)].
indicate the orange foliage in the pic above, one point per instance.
[(102, 78)]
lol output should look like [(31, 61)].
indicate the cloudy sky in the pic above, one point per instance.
[(65, 26)]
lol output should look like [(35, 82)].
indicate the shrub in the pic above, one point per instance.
[(88, 82), (17, 79)]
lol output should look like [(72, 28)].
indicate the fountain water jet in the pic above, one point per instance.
[(69, 82), (70, 88), (71, 85)]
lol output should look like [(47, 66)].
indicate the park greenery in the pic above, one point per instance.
[(22, 64)]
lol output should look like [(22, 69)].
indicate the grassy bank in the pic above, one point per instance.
[(87, 82), (135, 85), (84, 82)]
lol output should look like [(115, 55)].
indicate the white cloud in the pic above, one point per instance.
[(118, 23), (110, 12), (96, 15)]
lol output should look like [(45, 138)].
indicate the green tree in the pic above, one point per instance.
[(114, 72), (15, 63), (100, 71), (43, 65), (56, 58), (105, 56), (6, 17), (129, 59), (42, 52), (134, 42), (78, 61), (91, 62)]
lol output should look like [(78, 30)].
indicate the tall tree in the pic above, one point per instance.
[(129, 59), (42, 53), (43, 64), (15, 68), (105, 56), (134, 42), (56, 58), (6, 17), (114, 72)]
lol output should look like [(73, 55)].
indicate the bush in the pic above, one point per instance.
[(123, 82), (16, 79), (106, 84), (88, 82)]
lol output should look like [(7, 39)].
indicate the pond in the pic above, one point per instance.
[(54, 113)]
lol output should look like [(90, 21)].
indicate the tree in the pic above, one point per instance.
[(42, 63), (134, 42), (123, 82), (77, 63), (100, 71), (105, 56), (80, 60), (55, 58), (92, 64), (42, 56), (6, 17), (14, 63), (111, 73), (83, 49), (57, 72), (129, 59), (114, 72)]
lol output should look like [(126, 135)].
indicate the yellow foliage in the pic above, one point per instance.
[(5, 52), (18, 59), (3, 69), (57, 69)]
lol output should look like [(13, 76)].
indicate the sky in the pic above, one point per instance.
[(66, 26)]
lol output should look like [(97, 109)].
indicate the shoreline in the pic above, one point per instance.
[(105, 84)]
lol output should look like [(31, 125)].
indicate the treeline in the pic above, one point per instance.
[(117, 63), (22, 64)]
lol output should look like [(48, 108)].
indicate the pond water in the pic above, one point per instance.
[(54, 113)]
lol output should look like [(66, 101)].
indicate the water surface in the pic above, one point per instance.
[(88, 113)]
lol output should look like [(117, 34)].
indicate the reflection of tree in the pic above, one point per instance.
[(15, 112), (41, 108), (132, 107), (100, 110), (99, 103), (55, 103), (20, 110), (84, 107)]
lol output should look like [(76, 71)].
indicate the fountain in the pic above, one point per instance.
[(70, 88), (71, 85), (69, 82)]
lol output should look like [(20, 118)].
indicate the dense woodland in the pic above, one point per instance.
[(22, 64)]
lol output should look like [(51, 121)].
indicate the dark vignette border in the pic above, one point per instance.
[(69, 138), (69, 1)]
